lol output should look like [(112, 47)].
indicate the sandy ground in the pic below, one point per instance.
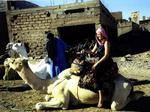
[(134, 67)]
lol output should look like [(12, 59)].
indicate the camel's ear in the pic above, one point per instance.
[(25, 62)]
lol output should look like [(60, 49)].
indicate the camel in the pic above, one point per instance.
[(42, 65), (62, 91), (8, 71)]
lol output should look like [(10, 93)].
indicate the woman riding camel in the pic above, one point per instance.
[(99, 70), (103, 64)]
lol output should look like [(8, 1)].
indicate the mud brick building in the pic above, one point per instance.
[(72, 22), (5, 7), (126, 26)]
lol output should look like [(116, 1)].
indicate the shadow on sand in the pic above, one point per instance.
[(19, 88), (136, 82), (141, 105)]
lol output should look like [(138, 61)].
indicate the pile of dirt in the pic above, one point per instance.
[(134, 65)]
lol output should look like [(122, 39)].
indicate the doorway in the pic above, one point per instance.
[(75, 34)]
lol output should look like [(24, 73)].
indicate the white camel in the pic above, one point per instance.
[(41, 68), (64, 91)]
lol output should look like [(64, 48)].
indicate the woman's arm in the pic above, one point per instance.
[(106, 54), (94, 49)]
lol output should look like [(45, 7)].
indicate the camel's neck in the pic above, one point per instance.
[(34, 82)]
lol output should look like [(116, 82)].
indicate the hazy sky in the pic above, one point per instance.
[(126, 6)]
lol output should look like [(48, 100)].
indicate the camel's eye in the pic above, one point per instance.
[(13, 61)]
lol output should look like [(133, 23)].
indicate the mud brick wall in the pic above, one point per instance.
[(30, 25)]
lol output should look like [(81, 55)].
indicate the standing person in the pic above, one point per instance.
[(56, 54), (100, 67)]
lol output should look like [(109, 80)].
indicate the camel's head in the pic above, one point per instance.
[(16, 46), (20, 49), (9, 46), (9, 49), (17, 50), (17, 64), (77, 66)]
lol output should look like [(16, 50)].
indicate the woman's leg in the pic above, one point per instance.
[(100, 102)]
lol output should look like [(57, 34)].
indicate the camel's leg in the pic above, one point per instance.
[(120, 97), (48, 97), (61, 102), (66, 98), (53, 103), (6, 76)]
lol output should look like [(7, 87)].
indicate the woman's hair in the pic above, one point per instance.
[(101, 31)]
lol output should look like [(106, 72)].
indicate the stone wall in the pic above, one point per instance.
[(30, 25)]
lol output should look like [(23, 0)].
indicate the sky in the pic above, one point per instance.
[(126, 6)]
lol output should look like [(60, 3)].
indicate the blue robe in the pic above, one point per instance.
[(59, 63)]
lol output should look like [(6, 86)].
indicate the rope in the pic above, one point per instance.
[(58, 82), (3, 55), (78, 93)]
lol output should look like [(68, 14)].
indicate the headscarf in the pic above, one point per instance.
[(101, 31)]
